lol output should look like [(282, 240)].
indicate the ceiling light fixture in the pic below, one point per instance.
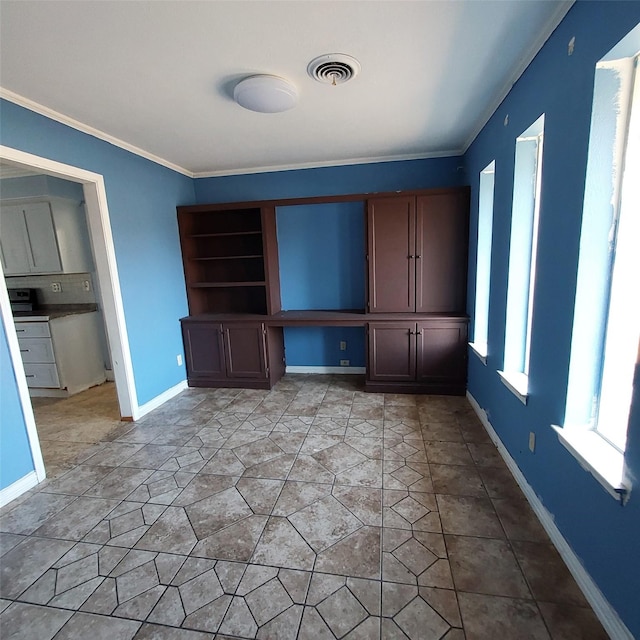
[(265, 94)]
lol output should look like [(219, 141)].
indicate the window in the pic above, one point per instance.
[(525, 214), (606, 325), (483, 261)]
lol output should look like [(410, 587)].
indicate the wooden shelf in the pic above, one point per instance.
[(230, 259), (226, 234), (247, 257), (226, 285)]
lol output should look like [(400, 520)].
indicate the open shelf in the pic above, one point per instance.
[(225, 235), (228, 257), (226, 285)]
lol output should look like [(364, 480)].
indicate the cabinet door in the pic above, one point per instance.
[(41, 238), (245, 350), (392, 351), (441, 250), (442, 352), (203, 350), (15, 259), (391, 250)]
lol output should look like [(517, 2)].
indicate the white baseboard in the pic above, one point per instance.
[(607, 615), (142, 410), (344, 370), (16, 489)]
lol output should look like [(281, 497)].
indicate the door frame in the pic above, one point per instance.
[(97, 212)]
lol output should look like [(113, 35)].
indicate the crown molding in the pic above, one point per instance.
[(21, 101), (11, 96), (545, 33), (327, 163)]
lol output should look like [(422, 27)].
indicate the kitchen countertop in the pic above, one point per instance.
[(44, 313)]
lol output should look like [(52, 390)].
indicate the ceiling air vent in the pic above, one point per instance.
[(333, 68)]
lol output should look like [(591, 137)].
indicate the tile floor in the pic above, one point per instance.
[(314, 511)]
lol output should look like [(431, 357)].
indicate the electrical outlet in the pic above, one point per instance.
[(532, 441), (343, 345), (56, 287), (179, 359), (86, 285), (344, 363)]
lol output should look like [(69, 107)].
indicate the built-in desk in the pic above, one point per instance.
[(406, 352)]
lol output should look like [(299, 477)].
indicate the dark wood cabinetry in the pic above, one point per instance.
[(232, 354), (229, 257), (426, 356), (417, 252), (417, 269), (416, 322)]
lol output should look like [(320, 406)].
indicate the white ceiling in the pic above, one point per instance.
[(158, 76)]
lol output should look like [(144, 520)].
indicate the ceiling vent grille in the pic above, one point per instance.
[(333, 68)]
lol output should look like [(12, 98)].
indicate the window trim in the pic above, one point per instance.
[(582, 435), (486, 198), (517, 380), (599, 457)]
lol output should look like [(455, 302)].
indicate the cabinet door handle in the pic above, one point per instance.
[(30, 375), (418, 257), (24, 350), (410, 257), (20, 330)]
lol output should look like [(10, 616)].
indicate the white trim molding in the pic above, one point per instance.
[(607, 615), (556, 18), (480, 350), (106, 267), (21, 101), (321, 370), (36, 107), (19, 487), (600, 458), (517, 383), (6, 317), (159, 400)]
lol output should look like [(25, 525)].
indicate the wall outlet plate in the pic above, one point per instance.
[(343, 345), (344, 363), (56, 287), (532, 441)]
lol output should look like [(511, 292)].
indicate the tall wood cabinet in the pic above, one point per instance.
[(417, 269), (417, 252), (230, 263)]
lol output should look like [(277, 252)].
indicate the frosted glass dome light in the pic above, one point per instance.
[(265, 94)]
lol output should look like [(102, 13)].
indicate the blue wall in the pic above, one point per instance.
[(15, 454), (360, 178), (321, 247), (142, 198), (603, 534)]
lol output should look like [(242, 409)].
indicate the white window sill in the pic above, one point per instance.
[(598, 457), (480, 350), (517, 383)]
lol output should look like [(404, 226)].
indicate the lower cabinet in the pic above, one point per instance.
[(428, 356), (61, 356), (233, 354)]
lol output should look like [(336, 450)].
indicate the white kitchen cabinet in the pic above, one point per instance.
[(28, 239), (61, 356), (44, 236)]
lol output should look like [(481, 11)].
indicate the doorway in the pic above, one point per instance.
[(108, 293)]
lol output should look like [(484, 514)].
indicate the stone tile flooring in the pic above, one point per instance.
[(314, 511)]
